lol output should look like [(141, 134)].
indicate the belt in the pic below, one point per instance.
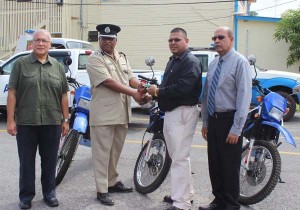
[(222, 115)]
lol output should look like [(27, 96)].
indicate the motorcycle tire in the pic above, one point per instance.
[(157, 167), (291, 106), (255, 185), (66, 154)]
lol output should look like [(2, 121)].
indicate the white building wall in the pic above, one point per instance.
[(16, 17), (145, 28), (255, 37)]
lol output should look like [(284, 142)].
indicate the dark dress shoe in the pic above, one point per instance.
[(105, 199), (25, 205), (211, 206), (119, 187), (168, 199), (51, 202)]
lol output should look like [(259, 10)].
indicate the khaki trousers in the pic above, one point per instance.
[(107, 144), (179, 128)]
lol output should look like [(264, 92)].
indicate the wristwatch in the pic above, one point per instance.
[(66, 120)]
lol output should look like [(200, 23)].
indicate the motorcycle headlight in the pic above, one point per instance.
[(84, 104), (296, 89), (276, 113)]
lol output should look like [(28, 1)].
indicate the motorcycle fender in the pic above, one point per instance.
[(287, 136), (80, 122)]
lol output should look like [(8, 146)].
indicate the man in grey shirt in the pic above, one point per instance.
[(226, 101)]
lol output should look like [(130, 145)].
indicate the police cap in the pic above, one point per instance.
[(108, 30)]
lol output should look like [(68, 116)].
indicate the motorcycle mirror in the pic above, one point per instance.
[(251, 59), (150, 61), (67, 61)]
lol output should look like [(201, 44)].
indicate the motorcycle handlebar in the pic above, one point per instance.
[(73, 82), (262, 91), (151, 81)]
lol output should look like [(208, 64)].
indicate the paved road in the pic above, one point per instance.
[(77, 190)]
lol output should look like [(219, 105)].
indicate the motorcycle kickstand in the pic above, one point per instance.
[(280, 180)]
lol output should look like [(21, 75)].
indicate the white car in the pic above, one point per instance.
[(77, 71)]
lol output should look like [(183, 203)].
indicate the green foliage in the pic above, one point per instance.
[(253, 13), (288, 29)]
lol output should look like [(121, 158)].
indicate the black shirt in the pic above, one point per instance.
[(182, 82)]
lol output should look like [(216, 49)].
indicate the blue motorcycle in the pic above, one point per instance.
[(79, 129), (153, 163), (261, 162)]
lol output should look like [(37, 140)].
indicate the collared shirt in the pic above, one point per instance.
[(182, 82), (234, 89), (107, 106), (39, 89)]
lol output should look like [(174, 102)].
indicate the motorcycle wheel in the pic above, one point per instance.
[(260, 179), (148, 176), (66, 154)]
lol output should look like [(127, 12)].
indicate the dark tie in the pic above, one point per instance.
[(213, 88)]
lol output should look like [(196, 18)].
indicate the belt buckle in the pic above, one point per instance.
[(216, 115)]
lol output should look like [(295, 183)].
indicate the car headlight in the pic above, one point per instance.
[(84, 104), (276, 113), (296, 89)]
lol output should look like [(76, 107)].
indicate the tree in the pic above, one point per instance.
[(253, 13), (288, 29)]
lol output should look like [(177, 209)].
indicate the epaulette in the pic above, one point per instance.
[(97, 52), (123, 54)]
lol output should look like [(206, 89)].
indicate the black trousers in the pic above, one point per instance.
[(29, 138), (224, 163)]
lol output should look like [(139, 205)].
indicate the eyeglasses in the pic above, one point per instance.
[(41, 40), (175, 40), (220, 37)]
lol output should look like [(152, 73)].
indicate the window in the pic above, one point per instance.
[(204, 61), (79, 45), (8, 67), (82, 61)]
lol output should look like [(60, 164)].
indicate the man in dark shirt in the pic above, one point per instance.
[(178, 97), (37, 113)]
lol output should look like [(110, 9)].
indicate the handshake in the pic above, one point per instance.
[(145, 93)]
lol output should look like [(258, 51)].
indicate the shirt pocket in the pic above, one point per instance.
[(226, 80), (54, 80), (29, 79)]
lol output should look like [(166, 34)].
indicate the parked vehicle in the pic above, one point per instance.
[(24, 43), (79, 58), (77, 71), (261, 162), (277, 81), (79, 128), (153, 162)]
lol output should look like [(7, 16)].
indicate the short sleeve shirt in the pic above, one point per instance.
[(107, 106), (39, 89)]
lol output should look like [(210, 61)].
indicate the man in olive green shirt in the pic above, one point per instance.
[(36, 104)]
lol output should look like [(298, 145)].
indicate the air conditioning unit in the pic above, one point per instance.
[(59, 2)]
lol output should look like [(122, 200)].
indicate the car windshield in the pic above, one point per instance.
[(79, 45)]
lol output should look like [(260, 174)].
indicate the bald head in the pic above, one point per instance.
[(43, 32)]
